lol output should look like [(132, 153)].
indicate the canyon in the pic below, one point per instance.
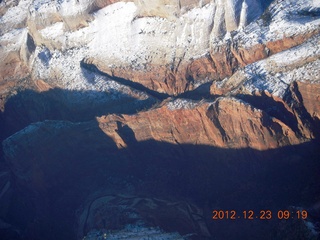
[(135, 119)]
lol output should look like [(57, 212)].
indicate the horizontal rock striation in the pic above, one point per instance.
[(284, 81), (199, 42), (227, 123), (120, 115)]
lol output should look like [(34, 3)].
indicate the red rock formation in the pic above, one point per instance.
[(304, 101), (227, 123), (310, 98), (257, 112), (221, 63), (52, 154), (289, 110)]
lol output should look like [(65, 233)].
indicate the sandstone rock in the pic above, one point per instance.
[(227, 122), (81, 85), (48, 103), (225, 55), (305, 104), (55, 160), (13, 60), (278, 79), (177, 63), (310, 95)]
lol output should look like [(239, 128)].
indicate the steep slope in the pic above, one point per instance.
[(102, 125), (182, 122), (281, 85), (154, 39)]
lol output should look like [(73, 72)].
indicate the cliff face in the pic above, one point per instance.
[(226, 123), (170, 46), (160, 40), (183, 53), (144, 105)]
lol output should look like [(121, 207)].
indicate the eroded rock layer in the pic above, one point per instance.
[(227, 123), (128, 119)]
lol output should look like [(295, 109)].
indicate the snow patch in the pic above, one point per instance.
[(133, 232), (276, 73), (281, 19), (53, 31), (14, 16), (181, 103), (316, 3), (63, 70), (13, 39)]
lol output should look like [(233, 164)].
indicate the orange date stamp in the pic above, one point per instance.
[(260, 215)]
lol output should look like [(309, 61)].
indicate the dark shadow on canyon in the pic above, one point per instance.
[(72, 165), (29, 106), (126, 82), (212, 178), (199, 93), (2, 134), (278, 110)]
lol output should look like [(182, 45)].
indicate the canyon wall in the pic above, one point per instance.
[(143, 105)]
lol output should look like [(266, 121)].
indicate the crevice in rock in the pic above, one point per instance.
[(273, 108), (212, 114), (295, 98), (30, 44)]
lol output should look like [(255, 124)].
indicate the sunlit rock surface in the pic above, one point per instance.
[(132, 119)]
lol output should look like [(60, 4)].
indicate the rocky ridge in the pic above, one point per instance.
[(91, 90)]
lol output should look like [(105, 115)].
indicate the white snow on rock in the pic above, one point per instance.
[(63, 69), (112, 32), (129, 40), (276, 73), (13, 39), (53, 31), (133, 232), (14, 16), (118, 36), (181, 103), (282, 19)]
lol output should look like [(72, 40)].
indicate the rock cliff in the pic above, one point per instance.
[(156, 113)]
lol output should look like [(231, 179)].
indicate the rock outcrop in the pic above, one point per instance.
[(184, 27), (284, 79), (186, 67), (60, 163), (143, 115), (226, 123), (171, 46), (135, 210)]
